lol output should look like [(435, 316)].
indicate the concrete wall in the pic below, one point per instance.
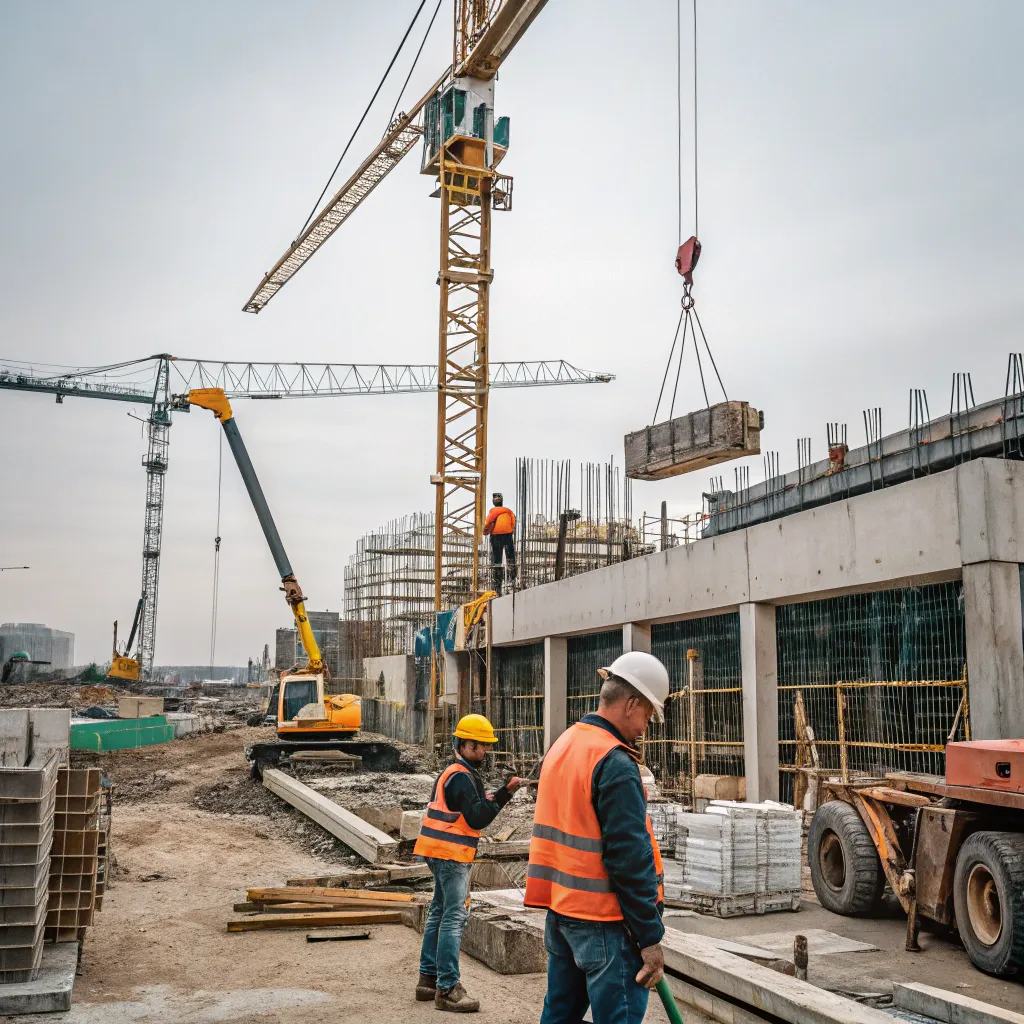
[(39, 642), (966, 522), (395, 673), (910, 533)]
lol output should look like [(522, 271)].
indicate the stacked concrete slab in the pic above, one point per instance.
[(737, 858), (33, 743), (75, 876)]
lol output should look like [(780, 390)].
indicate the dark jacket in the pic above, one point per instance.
[(621, 807), (466, 795)]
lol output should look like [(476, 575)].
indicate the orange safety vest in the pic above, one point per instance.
[(445, 834), (566, 872)]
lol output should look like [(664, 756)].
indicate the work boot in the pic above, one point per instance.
[(456, 999), (426, 988)]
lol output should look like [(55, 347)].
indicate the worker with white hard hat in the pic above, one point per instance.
[(594, 862)]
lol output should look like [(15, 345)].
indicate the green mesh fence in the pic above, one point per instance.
[(882, 678), (584, 656), (517, 703), (674, 751)]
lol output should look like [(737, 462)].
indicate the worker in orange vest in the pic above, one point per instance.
[(459, 809), (594, 862), (500, 526)]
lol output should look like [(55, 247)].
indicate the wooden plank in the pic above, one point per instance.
[(313, 908), (337, 935), (407, 872), (950, 1007), (358, 877), (312, 894), (513, 848), (750, 984), (260, 922), (370, 843)]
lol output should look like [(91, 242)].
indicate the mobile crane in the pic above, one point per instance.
[(306, 717)]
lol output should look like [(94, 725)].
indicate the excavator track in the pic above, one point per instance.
[(376, 756)]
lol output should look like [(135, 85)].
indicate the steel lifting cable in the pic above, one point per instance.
[(689, 320), (216, 555), (373, 98)]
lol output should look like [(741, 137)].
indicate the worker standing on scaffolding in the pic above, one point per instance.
[(500, 526)]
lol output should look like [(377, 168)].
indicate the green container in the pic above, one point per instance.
[(120, 733)]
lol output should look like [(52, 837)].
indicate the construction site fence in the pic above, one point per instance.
[(882, 678)]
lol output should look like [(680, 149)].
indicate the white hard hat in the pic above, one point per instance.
[(645, 673)]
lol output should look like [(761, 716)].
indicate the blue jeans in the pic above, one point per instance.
[(446, 917), (595, 963)]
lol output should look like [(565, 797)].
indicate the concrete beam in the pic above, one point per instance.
[(556, 680), (370, 843), (636, 637), (699, 962), (759, 669), (950, 1007), (995, 651)]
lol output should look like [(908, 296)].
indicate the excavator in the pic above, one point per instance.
[(306, 717), (122, 665)]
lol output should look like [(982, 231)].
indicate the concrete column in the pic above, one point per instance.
[(760, 701), (636, 637), (556, 674), (995, 652)]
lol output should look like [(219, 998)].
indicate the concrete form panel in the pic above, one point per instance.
[(990, 495), (995, 651), (392, 677)]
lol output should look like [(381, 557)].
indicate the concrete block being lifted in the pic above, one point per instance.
[(729, 430)]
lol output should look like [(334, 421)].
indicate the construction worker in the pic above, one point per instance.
[(594, 861), (500, 526), (459, 808)]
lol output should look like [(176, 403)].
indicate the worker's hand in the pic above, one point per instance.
[(513, 784), (653, 969)]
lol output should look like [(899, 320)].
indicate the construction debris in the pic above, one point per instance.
[(261, 922)]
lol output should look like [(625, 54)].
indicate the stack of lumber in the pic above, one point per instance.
[(320, 907)]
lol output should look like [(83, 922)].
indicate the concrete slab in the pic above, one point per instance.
[(14, 737), (819, 942), (51, 733), (950, 1007), (51, 991)]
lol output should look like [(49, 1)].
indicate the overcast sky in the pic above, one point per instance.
[(861, 215)]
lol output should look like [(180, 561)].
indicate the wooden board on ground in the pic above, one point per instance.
[(366, 876), (513, 848), (370, 843), (313, 894), (338, 935), (258, 922)]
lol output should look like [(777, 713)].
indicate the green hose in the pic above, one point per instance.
[(669, 1002)]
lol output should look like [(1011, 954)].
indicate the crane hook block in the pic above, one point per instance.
[(686, 258)]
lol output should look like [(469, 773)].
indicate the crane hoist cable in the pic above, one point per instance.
[(415, 61), (689, 251), (216, 558)]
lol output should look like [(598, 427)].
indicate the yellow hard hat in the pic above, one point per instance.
[(475, 727)]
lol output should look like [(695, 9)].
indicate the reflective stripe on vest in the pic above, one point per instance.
[(444, 834), (566, 872)]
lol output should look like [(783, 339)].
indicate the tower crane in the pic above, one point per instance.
[(462, 146), (150, 382)]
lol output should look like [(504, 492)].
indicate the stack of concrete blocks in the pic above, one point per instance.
[(738, 858), (75, 858), (33, 743), (665, 825)]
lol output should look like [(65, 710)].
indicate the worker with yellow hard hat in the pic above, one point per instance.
[(460, 807)]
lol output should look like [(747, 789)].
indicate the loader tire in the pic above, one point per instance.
[(845, 869), (988, 897)]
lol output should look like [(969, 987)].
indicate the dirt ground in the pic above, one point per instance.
[(159, 950)]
